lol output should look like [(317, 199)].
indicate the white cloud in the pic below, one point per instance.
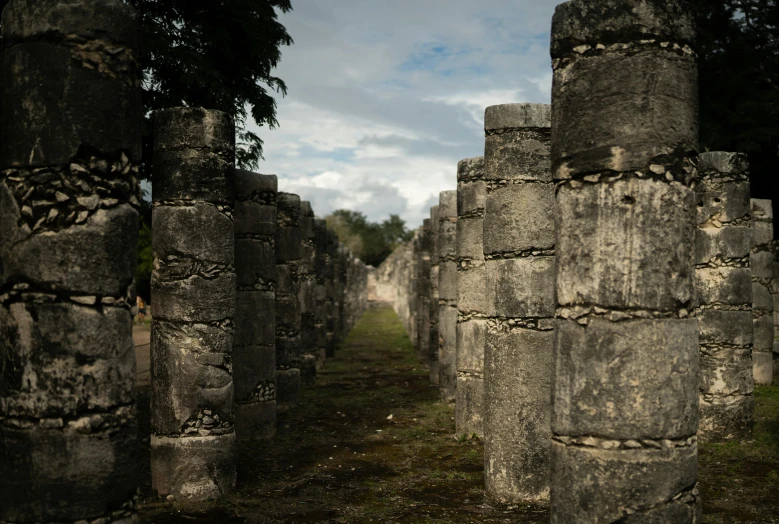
[(386, 97)]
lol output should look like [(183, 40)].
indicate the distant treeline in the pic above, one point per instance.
[(372, 242)]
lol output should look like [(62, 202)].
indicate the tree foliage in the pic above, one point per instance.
[(738, 46), (217, 54), (372, 242)]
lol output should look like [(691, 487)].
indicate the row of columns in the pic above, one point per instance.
[(237, 328), (614, 291), (250, 292)]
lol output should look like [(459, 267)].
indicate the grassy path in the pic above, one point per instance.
[(339, 457)]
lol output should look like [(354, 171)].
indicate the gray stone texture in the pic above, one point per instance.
[(775, 301), (471, 298), (321, 258), (254, 337), (761, 263), (723, 288), (626, 382), (288, 306), (447, 295), (519, 295), (434, 298), (193, 307), (69, 153), (307, 295)]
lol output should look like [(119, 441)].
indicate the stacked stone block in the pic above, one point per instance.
[(519, 252), (434, 297), (761, 263), (775, 296), (307, 295), (723, 288), (288, 319), (423, 294), (471, 297), (69, 154), (321, 258), (447, 295), (254, 337), (193, 302), (625, 393), (330, 293)]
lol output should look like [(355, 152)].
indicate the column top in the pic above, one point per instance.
[(723, 162), (508, 116), (762, 209), (179, 128), (470, 168), (248, 183), (108, 20), (592, 22), (447, 204)]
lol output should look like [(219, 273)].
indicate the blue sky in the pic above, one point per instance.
[(385, 97)]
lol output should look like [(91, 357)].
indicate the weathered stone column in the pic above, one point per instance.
[(193, 302), (254, 338), (761, 263), (471, 297), (69, 151), (434, 298), (723, 288), (519, 242), (340, 293), (288, 351), (775, 295), (320, 293), (330, 293), (307, 295), (624, 141), (447, 295), (423, 292)]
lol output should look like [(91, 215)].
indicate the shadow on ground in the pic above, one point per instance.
[(340, 458)]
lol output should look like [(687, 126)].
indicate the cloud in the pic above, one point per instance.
[(385, 97)]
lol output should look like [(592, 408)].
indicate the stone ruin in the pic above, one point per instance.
[(250, 292), (630, 283), (594, 296)]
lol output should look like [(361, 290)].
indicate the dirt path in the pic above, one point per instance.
[(340, 458)]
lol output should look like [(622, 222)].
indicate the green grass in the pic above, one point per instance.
[(412, 468), (739, 480)]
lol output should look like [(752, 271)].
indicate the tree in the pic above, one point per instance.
[(738, 47), (217, 54), (370, 241)]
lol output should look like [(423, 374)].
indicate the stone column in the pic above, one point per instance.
[(775, 296), (423, 292), (447, 295), (193, 302), (471, 297), (254, 338), (69, 152), (320, 292), (330, 292), (519, 243), (434, 299), (340, 293), (761, 263), (723, 288), (288, 247), (624, 141), (306, 295)]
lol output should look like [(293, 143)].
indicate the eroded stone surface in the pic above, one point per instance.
[(69, 196), (193, 307), (519, 248), (624, 151)]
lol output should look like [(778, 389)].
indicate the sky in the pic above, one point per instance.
[(385, 97)]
